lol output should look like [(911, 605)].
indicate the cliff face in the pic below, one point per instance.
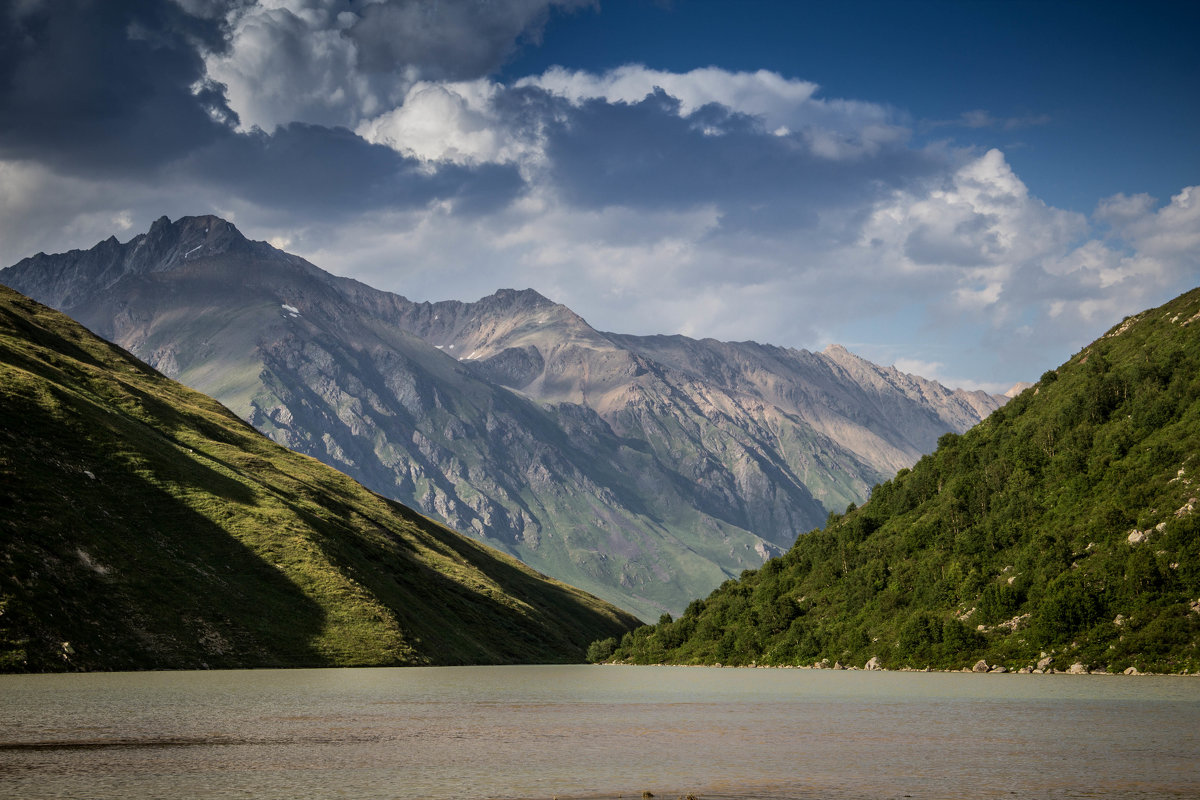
[(646, 470)]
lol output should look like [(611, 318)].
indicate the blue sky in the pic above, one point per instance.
[(1102, 97), (969, 190)]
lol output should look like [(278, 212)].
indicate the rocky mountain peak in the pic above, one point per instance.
[(169, 244), (67, 280), (515, 300)]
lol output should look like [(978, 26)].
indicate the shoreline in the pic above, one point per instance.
[(992, 670)]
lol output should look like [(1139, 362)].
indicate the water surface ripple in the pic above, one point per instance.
[(518, 733)]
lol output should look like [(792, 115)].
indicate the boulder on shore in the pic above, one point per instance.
[(980, 666)]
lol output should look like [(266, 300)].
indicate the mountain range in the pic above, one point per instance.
[(144, 526), (644, 469)]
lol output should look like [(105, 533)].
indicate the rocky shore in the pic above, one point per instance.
[(1044, 666)]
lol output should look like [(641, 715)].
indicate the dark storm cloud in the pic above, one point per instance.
[(311, 168), (647, 154), (100, 86), (451, 39), (98, 89)]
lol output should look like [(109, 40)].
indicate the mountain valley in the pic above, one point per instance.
[(646, 470)]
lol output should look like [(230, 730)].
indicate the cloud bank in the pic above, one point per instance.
[(374, 139)]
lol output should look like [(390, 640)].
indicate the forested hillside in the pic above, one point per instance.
[(1065, 525)]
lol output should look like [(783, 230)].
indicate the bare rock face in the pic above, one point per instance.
[(980, 666), (646, 470), (874, 664)]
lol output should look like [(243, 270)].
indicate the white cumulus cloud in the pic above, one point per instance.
[(450, 121), (835, 128), (337, 62)]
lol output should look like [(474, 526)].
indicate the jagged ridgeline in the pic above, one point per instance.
[(143, 525), (645, 470), (1065, 525)]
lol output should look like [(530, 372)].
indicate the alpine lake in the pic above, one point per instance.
[(597, 732)]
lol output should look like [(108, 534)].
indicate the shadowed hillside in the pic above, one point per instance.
[(143, 525)]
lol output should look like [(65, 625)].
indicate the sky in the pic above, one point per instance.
[(969, 190)]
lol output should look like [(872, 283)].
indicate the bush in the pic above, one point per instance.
[(601, 650)]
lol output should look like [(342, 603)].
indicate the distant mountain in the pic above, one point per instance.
[(1063, 530), (143, 525), (646, 470)]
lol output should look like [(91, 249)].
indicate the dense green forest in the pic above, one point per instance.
[(1064, 525)]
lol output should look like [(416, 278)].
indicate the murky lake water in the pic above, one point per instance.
[(597, 732)]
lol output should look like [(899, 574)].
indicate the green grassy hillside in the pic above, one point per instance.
[(143, 525), (1066, 525)]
